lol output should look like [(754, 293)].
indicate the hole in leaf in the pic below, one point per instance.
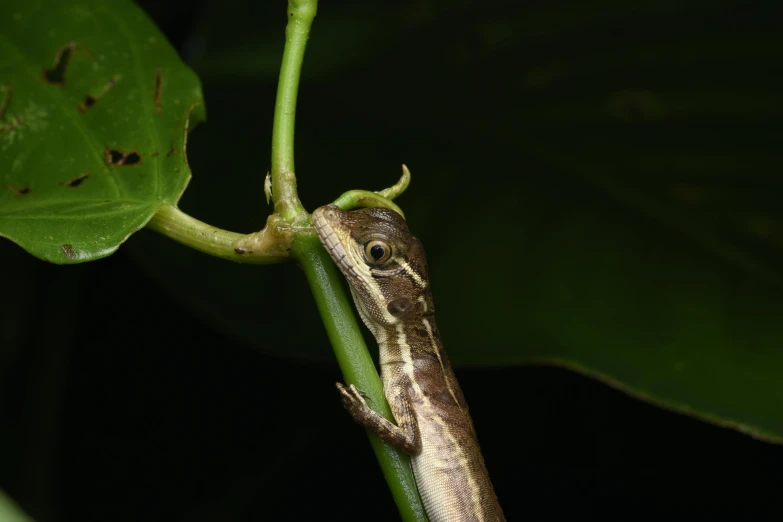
[(68, 250), (56, 74), (20, 190), (91, 98), (158, 89), (88, 102), (114, 156), (132, 158), (75, 182), (118, 158)]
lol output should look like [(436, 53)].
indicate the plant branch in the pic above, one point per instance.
[(270, 245), (300, 18), (380, 198), (322, 275), (365, 199), (357, 366), (398, 188)]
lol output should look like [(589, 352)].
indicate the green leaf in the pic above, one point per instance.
[(95, 107)]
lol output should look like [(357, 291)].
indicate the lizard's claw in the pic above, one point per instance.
[(354, 400)]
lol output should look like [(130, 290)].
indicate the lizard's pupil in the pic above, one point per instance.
[(377, 251)]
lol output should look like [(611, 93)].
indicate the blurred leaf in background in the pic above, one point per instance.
[(9, 511)]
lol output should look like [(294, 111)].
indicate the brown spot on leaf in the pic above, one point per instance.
[(240, 251), (154, 154), (171, 152), (91, 99), (157, 90), (9, 91), (75, 182), (56, 75), (20, 190), (118, 158), (68, 251)]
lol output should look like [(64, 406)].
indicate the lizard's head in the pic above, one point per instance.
[(384, 263)]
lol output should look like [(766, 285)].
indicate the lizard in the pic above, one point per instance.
[(386, 269)]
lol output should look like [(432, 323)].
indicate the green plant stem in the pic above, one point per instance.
[(364, 199), (357, 366), (300, 17), (398, 188), (380, 198), (172, 222), (323, 277)]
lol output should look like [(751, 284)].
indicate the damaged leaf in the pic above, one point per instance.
[(95, 107)]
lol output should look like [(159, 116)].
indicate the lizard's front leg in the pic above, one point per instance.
[(404, 436)]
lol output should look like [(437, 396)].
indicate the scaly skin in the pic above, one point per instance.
[(386, 270)]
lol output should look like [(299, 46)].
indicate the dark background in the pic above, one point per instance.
[(159, 384)]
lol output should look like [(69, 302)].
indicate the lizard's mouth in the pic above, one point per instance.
[(322, 222)]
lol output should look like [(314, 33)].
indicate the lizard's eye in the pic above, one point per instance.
[(377, 251)]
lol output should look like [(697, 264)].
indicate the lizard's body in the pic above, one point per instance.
[(392, 294)]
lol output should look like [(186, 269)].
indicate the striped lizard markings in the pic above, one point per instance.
[(386, 269)]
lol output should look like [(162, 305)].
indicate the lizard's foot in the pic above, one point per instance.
[(355, 402)]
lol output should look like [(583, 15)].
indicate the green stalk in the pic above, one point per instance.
[(357, 366), (322, 275), (267, 246), (288, 234), (300, 18)]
